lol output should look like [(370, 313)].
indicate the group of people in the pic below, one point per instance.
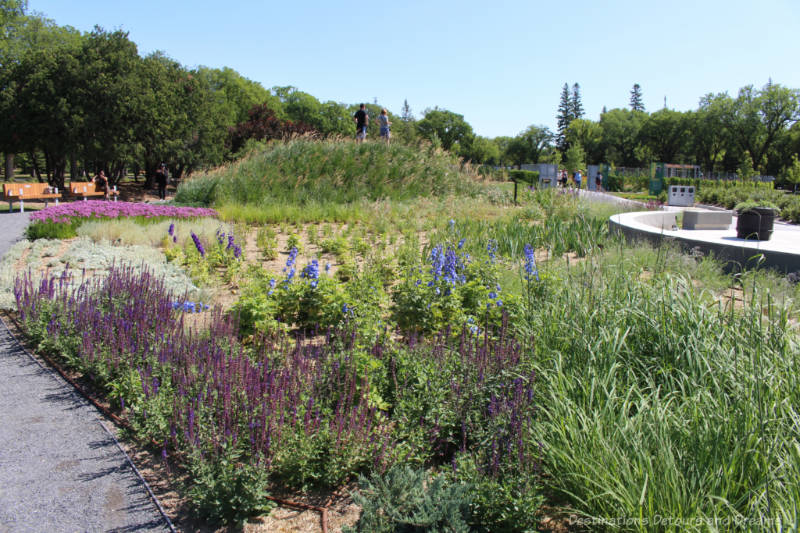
[(101, 181), (577, 179), (361, 118)]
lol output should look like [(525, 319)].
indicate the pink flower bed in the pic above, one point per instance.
[(103, 209)]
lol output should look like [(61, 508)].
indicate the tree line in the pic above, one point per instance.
[(72, 101)]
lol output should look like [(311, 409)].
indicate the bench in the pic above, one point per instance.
[(29, 191), (85, 189), (695, 219)]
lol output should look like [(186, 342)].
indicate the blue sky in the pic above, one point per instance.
[(499, 63)]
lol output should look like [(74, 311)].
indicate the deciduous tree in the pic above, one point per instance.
[(447, 126)]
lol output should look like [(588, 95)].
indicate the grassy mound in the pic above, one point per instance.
[(307, 172)]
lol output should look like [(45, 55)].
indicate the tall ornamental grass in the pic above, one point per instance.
[(304, 171), (662, 408)]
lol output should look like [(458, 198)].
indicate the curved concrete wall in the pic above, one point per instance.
[(782, 253)]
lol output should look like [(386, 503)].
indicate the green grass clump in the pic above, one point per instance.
[(659, 399), (308, 172)]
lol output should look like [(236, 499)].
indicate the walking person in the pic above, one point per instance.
[(362, 120), (598, 182), (384, 123), (161, 181), (577, 178)]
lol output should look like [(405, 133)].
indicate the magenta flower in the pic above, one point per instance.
[(103, 209)]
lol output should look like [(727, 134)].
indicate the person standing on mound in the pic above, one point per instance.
[(362, 120), (384, 123)]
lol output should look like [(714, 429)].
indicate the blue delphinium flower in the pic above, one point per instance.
[(289, 268), (327, 267), (311, 271), (198, 244), (461, 243), (190, 307), (230, 242), (530, 264), (446, 264), (491, 249), (292, 257), (171, 230)]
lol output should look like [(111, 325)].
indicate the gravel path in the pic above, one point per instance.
[(60, 470)]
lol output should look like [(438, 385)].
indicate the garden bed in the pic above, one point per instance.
[(473, 351)]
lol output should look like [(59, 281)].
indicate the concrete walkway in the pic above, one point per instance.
[(60, 470)]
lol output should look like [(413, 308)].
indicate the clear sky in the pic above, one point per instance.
[(499, 63)]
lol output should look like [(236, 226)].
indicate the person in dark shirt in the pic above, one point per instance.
[(161, 181), (102, 182), (362, 119)]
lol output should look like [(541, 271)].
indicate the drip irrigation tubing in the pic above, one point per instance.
[(323, 511)]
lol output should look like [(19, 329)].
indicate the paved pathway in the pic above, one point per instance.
[(60, 471)]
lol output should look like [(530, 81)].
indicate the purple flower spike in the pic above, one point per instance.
[(198, 245)]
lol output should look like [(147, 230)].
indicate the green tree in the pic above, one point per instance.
[(574, 158), (234, 94), (758, 119), (665, 134), (503, 142), (620, 142), (746, 171), (707, 131), (448, 127), (480, 150), (12, 18), (636, 98), (564, 118), (108, 90), (528, 146), (42, 106), (576, 105), (405, 114), (792, 175), (589, 135)]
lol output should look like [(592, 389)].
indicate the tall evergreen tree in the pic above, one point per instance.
[(406, 115), (564, 117), (575, 102), (636, 98)]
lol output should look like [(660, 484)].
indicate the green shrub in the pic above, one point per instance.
[(200, 190), (406, 500), (53, 230), (524, 176), (226, 491)]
